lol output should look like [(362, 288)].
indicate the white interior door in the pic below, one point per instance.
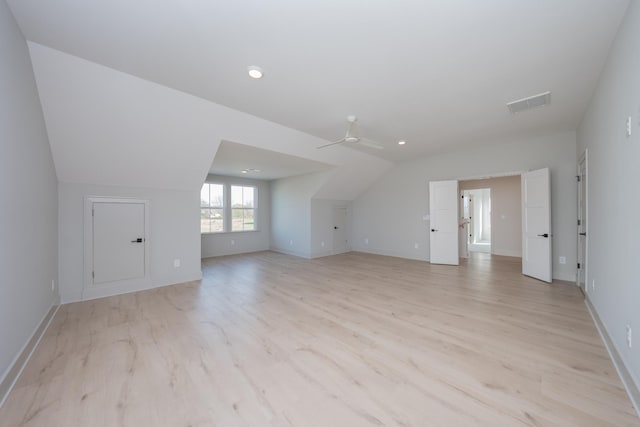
[(463, 229), (582, 224), (118, 241), (443, 209), (340, 240), (536, 224)]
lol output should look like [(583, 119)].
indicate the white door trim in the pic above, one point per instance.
[(91, 290), (585, 265)]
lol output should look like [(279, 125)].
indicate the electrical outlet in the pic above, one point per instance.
[(322, 244), (629, 126), (233, 242), (416, 246), (176, 263), (563, 260), (629, 343), (290, 242), (53, 285), (593, 285), (366, 241)]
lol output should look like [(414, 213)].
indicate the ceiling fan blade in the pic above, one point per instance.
[(370, 144), (332, 143)]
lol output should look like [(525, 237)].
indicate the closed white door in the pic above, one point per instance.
[(443, 210), (340, 239), (118, 241), (582, 224), (536, 224)]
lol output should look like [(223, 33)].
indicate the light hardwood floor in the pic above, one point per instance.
[(350, 340)]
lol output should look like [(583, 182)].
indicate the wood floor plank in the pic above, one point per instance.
[(356, 339)]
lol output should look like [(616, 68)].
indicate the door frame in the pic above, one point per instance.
[(347, 231), (91, 290), (585, 264)]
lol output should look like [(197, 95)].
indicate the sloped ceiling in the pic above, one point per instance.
[(436, 73), (111, 128), (232, 158)]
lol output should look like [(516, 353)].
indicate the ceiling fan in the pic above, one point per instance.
[(353, 135)]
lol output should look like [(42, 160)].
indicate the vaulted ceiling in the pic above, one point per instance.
[(434, 73)]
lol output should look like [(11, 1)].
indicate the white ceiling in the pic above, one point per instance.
[(436, 73), (231, 158), (107, 127)]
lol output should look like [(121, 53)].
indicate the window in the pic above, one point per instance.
[(225, 208), (243, 208), (212, 208)]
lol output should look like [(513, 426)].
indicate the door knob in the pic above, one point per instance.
[(545, 235), (335, 228), (138, 240), (433, 229), (583, 234)]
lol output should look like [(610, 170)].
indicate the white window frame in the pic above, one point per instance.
[(254, 209), (223, 207), (227, 208)]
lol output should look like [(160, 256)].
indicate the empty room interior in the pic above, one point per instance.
[(356, 213)]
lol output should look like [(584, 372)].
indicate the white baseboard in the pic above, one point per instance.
[(569, 277), (287, 252), (633, 389), (22, 358), (128, 288)]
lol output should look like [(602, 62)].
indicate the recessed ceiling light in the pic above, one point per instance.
[(402, 142), (255, 72), (244, 171), (252, 170)]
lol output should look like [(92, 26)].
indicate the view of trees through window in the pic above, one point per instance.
[(242, 208), (212, 208), (216, 216)]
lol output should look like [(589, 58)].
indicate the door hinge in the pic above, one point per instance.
[(579, 222), (93, 274), (578, 178), (578, 265), (93, 212)]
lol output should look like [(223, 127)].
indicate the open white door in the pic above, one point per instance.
[(581, 277), (536, 224), (443, 209)]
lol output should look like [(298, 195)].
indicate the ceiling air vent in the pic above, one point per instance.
[(530, 102)]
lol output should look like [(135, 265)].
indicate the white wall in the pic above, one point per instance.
[(174, 232), (613, 202), (506, 213), (229, 243), (322, 223), (291, 213), (390, 213), (28, 189)]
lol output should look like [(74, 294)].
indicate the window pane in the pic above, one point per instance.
[(217, 195), (217, 222), (237, 219), (205, 223), (249, 220), (204, 196), (236, 196), (247, 197)]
